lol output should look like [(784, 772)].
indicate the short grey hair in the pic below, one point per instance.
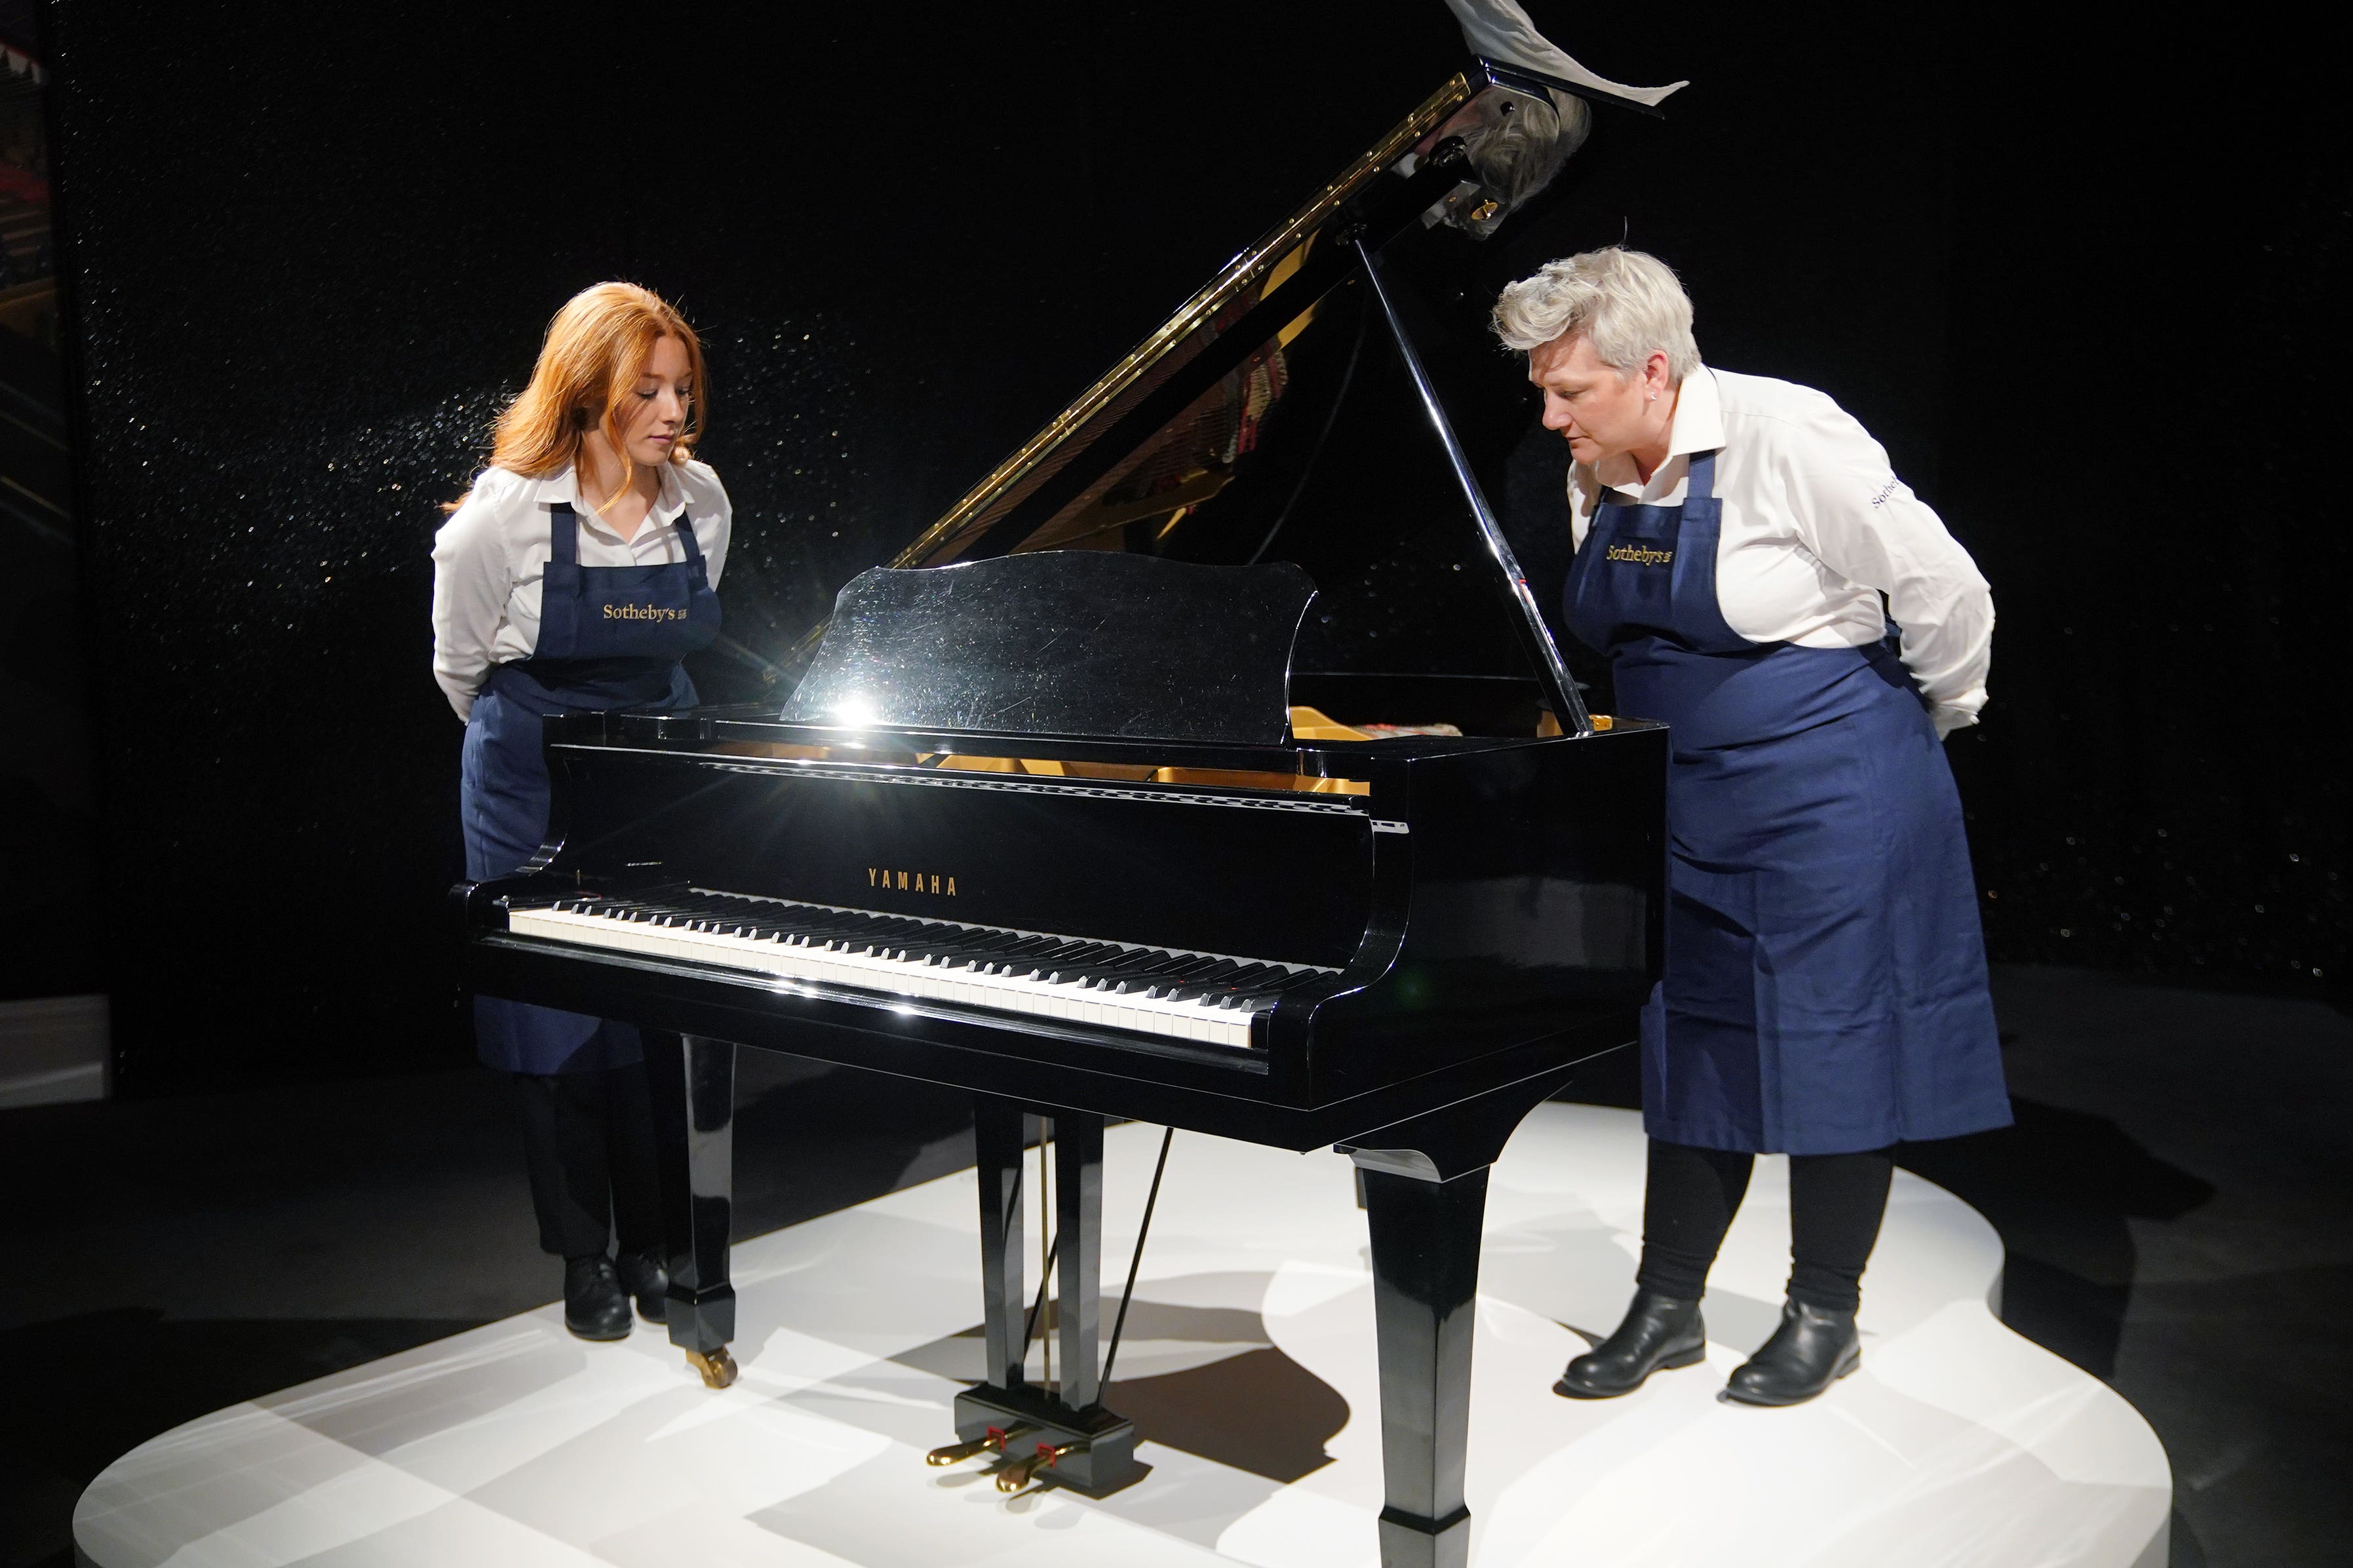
[(1626, 303)]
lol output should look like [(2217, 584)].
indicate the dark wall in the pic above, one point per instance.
[(49, 942), (310, 263), (2150, 261)]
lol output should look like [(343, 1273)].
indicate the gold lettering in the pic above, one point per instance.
[(936, 883), (1640, 554)]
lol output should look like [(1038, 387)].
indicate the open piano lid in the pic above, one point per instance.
[(1184, 450)]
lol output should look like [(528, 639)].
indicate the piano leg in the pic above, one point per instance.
[(996, 1148), (691, 1082), (1078, 1266), (1424, 1184), (1425, 1238), (1062, 1434)]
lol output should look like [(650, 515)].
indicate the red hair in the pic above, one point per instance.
[(595, 349)]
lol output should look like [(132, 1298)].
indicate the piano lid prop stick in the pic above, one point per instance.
[(1119, 1325), (1535, 637)]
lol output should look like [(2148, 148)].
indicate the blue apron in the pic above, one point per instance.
[(1825, 980), (609, 636)]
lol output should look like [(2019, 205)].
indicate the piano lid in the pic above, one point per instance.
[(1063, 642), (1207, 442)]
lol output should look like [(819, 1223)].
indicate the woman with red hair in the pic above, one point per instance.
[(575, 576)]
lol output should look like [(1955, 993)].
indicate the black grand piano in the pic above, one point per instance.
[(1060, 812)]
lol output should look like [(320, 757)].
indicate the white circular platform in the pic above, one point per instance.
[(1249, 1367)]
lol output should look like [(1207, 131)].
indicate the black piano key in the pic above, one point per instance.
[(1190, 966), (972, 951), (1090, 972), (1261, 994), (1166, 982), (1083, 958), (1143, 977), (1004, 942), (1030, 959), (1230, 973), (1208, 982), (1140, 971)]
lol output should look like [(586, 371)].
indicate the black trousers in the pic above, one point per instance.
[(588, 1138), (1836, 1202)]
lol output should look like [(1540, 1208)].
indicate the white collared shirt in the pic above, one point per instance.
[(1816, 528), (488, 558)]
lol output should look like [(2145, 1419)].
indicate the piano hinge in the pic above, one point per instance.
[(1383, 824)]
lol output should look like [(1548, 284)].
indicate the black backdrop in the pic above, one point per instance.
[(2085, 299)]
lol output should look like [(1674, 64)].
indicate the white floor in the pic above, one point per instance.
[(1249, 1364)]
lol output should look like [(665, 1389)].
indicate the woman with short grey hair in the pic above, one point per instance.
[(1824, 993)]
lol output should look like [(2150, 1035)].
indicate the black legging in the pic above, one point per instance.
[(1836, 1202), (589, 1140)]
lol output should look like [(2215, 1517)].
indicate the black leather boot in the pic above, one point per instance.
[(643, 1277), (594, 1306), (1814, 1348), (1659, 1333)]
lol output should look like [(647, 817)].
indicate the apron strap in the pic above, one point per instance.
[(685, 526), (1700, 477), (564, 534)]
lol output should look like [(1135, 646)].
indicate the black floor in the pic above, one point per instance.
[(2174, 1199)]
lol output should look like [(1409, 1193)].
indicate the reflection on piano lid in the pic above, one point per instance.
[(1062, 643), (1291, 410)]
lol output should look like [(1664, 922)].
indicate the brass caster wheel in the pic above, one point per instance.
[(718, 1368)]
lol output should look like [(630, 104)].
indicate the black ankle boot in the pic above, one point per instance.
[(643, 1277), (1659, 1333), (595, 1307), (1814, 1348)]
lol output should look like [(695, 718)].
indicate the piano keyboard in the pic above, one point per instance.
[(1200, 996)]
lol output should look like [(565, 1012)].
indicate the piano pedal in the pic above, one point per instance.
[(1013, 1477), (717, 1367), (992, 1443)]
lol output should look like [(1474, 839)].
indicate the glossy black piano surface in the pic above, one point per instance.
[(1057, 815), (1429, 899)]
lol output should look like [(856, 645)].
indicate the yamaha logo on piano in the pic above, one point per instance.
[(910, 881)]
